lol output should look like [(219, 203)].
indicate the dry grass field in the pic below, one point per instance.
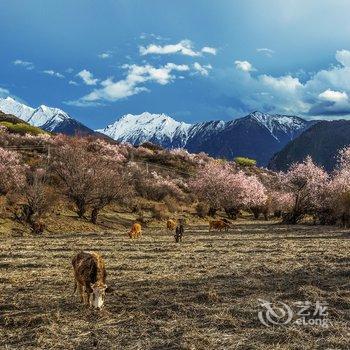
[(200, 294)]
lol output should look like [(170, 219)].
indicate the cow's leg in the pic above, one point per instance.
[(81, 292), (75, 286), (87, 291)]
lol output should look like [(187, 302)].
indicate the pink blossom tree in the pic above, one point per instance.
[(307, 183), (210, 184), (220, 186), (244, 192), (337, 202), (12, 171)]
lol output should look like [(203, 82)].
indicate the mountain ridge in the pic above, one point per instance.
[(258, 135), (47, 118), (321, 141)]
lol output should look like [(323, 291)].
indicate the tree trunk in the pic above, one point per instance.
[(256, 212), (94, 214), (212, 211), (81, 208), (232, 213)]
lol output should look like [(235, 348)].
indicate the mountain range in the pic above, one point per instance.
[(257, 135), (46, 118)]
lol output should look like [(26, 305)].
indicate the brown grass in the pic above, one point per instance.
[(201, 294)]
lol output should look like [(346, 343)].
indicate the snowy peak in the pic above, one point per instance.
[(9, 105), (275, 122), (257, 135), (39, 117), (165, 131), (158, 128), (46, 118), (44, 115)]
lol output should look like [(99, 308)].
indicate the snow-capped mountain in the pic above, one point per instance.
[(279, 125), (156, 128), (46, 118), (257, 135), (10, 106)]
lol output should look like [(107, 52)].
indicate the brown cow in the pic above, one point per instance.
[(135, 231), (218, 225), (90, 278), (170, 225)]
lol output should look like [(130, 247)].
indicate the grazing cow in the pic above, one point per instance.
[(179, 232), (135, 231), (90, 278), (218, 225), (170, 225)]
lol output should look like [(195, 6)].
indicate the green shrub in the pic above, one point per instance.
[(22, 128), (243, 161)]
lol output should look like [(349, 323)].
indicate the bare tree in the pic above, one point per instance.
[(92, 173), (34, 201)]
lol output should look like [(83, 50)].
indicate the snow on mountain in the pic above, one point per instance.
[(277, 123), (163, 129), (39, 117), (10, 106), (46, 118), (157, 128), (258, 135), (206, 128)]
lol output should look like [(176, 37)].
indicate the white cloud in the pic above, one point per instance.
[(286, 82), (333, 96), (72, 82), (211, 50), (26, 64), (265, 51), (87, 77), (133, 83), (343, 57), (244, 66), (202, 69), (53, 73), (104, 55), (184, 47), (324, 93)]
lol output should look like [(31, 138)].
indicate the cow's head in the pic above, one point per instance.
[(97, 297)]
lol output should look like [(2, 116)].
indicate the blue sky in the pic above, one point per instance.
[(195, 60)]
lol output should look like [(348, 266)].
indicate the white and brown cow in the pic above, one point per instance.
[(90, 278)]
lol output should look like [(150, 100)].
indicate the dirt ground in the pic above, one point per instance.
[(201, 294)]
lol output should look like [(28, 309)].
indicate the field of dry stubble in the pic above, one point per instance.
[(200, 294)]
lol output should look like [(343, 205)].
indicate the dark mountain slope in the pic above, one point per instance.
[(321, 141)]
